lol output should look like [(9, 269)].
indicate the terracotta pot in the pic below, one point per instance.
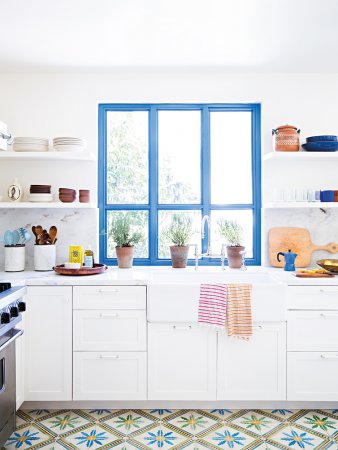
[(179, 256), (235, 259), (286, 138), (125, 257)]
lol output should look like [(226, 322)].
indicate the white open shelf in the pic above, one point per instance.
[(302, 156), (46, 156), (56, 205), (282, 205)]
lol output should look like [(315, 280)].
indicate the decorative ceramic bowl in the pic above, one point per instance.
[(323, 138), (321, 146), (330, 265)]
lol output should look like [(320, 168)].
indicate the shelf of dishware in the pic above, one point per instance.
[(283, 205), (50, 205), (47, 156), (302, 156)]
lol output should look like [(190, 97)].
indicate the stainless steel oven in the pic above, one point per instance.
[(11, 307)]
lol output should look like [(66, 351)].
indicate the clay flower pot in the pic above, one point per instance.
[(235, 258), (125, 257), (179, 256)]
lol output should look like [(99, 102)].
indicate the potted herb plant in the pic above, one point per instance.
[(179, 233), (125, 240), (233, 234)]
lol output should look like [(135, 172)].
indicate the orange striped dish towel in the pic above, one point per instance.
[(239, 315)]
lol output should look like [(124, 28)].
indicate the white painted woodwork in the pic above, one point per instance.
[(312, 297), (110, 297)]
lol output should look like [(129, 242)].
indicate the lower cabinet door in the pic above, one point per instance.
[(313, 376), (181, 362), (110, 376), (253, 369)]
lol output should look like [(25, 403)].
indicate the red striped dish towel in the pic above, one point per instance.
[(239, 315), (212, 305)]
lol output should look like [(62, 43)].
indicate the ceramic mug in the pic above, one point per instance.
[(327, 196)]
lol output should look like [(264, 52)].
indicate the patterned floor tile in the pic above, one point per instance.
[(96, 414), (281, 413), (256, 422), (222, 414), (92, 437), (53, 446), (292, 436), (62, 422), (37, 413), (160, 437), (128, 422), (21, 421), (194, 446), (228, 437), (322, 423), (192, 422), (27, 437), (160, 413)]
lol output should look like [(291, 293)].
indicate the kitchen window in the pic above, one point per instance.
[(160, 160)]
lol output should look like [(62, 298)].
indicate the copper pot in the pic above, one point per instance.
[(286, 138)]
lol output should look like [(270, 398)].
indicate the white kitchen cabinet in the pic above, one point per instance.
[(110, 297), (110, 376), (48, 343), (312, 376), (109, 330), (181, 362), (253, 369)]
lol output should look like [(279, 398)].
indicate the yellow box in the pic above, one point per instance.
[(75, 254)]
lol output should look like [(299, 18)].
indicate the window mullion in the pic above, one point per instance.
[(205, 168), (153, 183)]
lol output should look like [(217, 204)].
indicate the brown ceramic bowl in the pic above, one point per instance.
[(331, 265)]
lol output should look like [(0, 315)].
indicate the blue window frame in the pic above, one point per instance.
[(205, 206)]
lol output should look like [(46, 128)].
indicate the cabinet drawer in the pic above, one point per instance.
[(109, 297), (312, 297), (312, 376), (110, 376), (313, 330), (104, 330)]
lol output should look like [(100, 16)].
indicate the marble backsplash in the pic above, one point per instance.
[(321, 223), (75, 227)]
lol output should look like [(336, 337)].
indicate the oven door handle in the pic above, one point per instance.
[(17, 334)]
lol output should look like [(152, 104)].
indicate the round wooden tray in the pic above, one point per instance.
[(98, 268)]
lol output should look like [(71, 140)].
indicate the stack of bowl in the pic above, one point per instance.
[(40, 193), (325, 143), (67, 195), (84, 196)]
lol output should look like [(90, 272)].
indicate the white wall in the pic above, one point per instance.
[(52, 105)]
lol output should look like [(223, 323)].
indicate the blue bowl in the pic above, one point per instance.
[(328, 146), (327, 196), (323, 138)]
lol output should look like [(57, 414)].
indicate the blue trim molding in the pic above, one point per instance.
[(153, 206)]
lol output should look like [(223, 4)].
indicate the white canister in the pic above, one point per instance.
[(14, 258), (44, 257)]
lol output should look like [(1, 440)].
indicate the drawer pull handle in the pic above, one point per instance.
[(259, 327), (109, 356), (182, 327), (109, 291), (324, 315), (109, 316), (329, 356)]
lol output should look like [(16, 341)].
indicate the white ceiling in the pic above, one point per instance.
[(238, 35)]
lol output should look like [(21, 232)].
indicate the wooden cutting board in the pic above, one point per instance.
[(298, 240)]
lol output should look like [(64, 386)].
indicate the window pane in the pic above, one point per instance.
[(243, 217), (179, 150), (164, 220), (139, 223), (230, 142), (127, 157)]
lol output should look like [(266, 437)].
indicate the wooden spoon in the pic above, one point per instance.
[(36, 234), (52, 233)]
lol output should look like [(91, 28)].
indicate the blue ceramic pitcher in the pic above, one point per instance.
[(289, 260)]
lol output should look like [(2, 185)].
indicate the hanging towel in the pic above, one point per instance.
[(212, 305), (239, 315)]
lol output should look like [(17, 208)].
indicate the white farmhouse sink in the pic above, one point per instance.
[(173, 295)]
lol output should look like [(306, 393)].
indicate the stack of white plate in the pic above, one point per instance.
[(40, 197), (30, 144), (69, 144)]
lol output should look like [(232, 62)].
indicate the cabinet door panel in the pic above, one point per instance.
[(110, 297), (181, 362), (253, 369), (48, 343), (110, 376)]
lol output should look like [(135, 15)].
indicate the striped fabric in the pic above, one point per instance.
[(212, 305), (239, 315)]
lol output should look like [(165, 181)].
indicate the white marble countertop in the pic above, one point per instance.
[(143, 275)]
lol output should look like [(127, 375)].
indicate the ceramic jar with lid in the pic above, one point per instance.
[(286, 138)]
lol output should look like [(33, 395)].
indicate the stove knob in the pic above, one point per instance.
[(22, 306), (5, 317), (14, 310)]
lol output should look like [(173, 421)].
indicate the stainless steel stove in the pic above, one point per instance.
[(11, 308)]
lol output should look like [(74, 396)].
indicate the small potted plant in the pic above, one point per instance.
[(233, 234), (125, 240), (179, 233)]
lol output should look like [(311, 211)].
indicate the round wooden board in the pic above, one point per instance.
[(314, 275), (98, 268)]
